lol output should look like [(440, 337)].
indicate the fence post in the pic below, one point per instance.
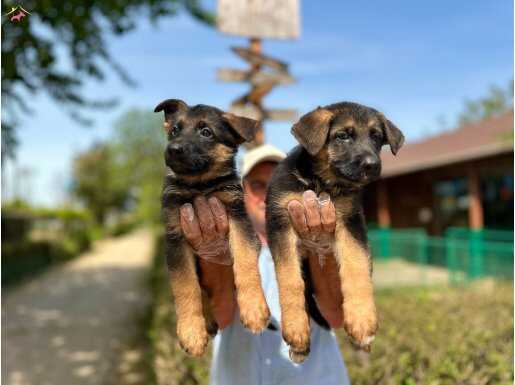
[(423, 255), (476, 254), (384, 242), (450, 256)]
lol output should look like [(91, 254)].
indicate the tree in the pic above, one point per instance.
[(498, 101), (30, 60), (138, 144), (98, 183)]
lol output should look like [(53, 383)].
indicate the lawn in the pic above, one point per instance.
[(436, 335)]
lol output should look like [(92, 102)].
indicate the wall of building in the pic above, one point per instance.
[(437, 198)]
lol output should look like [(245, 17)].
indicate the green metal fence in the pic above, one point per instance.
[(467, 254)]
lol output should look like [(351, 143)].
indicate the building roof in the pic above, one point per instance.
[(471, 141)]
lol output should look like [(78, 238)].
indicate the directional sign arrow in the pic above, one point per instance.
[(235, 75), (260, 59), (255, 95), (246, 110), (281, 114)]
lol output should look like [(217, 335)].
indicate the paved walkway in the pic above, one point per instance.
[(76, 323)]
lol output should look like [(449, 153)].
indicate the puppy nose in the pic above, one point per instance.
[(175, 149), (370, 164)]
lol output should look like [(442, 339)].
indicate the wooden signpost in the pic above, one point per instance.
[(257, 19)]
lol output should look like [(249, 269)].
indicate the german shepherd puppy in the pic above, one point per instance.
[(338, 154), (202, 144)]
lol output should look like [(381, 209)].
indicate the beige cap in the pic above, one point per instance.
[(263, 153)]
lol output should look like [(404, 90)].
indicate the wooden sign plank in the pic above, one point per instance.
[(270, 19), (255, 95), (255, 58), (246, 110), (275, 114), (234, 75), (281, 114)]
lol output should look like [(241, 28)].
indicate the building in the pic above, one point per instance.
[(460, 178)]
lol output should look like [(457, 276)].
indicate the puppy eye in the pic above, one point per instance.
[(344, 136), (175, 130), (206, 132), (376, 135)]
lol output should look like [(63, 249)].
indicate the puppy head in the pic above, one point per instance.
[(202, 140), (347, 139)]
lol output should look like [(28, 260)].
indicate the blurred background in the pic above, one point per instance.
[(85, 295)]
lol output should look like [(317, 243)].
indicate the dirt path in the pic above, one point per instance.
[(75, 324), (397, 272)]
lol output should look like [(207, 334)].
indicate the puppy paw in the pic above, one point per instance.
[(360, 323), (297, 336), (298, 357), (254, 315), (193, 337)]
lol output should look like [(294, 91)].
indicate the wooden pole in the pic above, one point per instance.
[(256, 20), (383, 211), (256, 47), (476, 221)]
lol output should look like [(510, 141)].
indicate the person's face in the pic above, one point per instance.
[(255, 185)]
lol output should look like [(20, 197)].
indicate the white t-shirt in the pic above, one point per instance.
[(242, 358)]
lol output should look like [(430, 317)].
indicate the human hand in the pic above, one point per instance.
[(314, 220), (205, 226)]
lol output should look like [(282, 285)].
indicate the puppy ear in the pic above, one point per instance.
[(312, 129), (393, 136), (245, 128), (170, 107)]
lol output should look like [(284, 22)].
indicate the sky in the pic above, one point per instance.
[(415, 61)]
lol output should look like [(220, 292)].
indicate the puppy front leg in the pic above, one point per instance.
[(187, 294), (359, 312), (245, 248), (294, 317)]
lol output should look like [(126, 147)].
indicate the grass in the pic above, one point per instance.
[(461, 335), (171, 365), (433, 336)]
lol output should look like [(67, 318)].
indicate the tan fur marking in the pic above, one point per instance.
[(191, 325), (322, 168), (226, 197), (222, 152), (254, 312), (294, 318), (344, 206), (349, 122), (372, 122), (359, 312)]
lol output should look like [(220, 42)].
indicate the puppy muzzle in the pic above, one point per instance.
[(185, 159), (359, 174)]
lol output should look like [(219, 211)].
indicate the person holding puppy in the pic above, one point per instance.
[(241, 357)]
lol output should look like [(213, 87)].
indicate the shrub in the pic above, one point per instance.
[(62, 234), (24, 259)]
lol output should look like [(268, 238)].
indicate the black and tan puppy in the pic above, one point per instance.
[(338, 154), (202, 144)]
